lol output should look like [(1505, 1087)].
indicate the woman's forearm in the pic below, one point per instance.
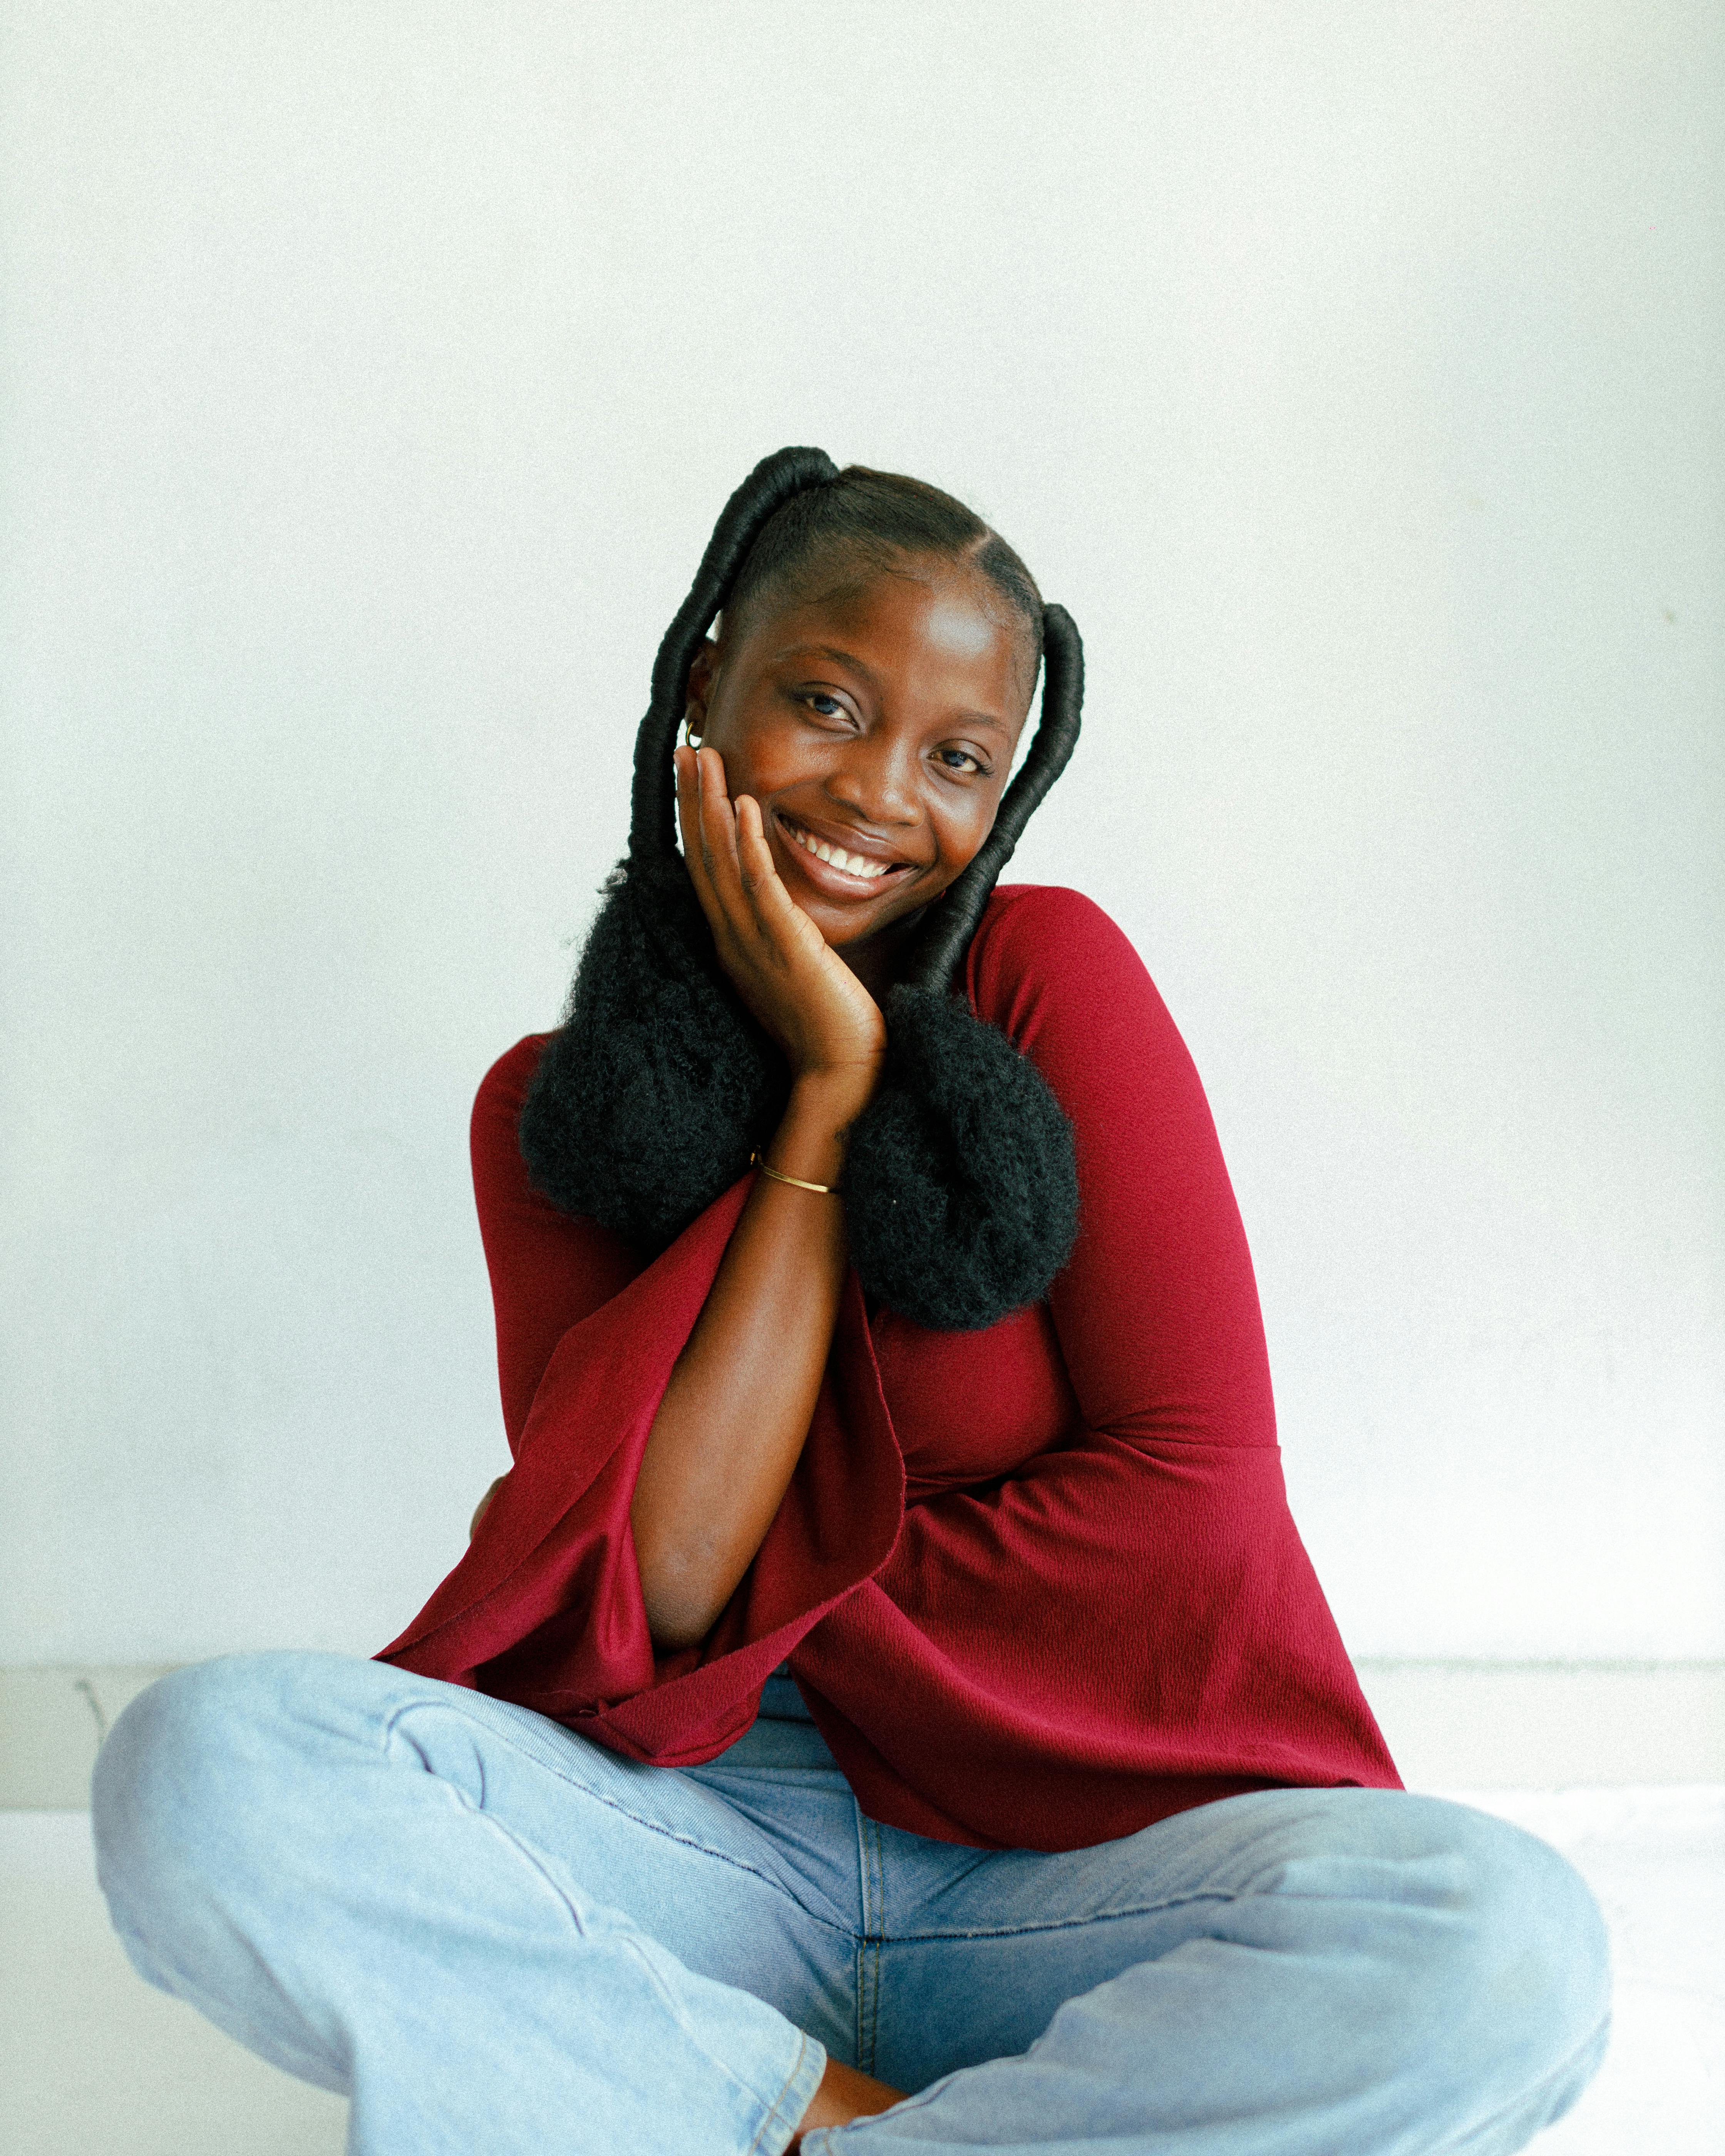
[(728, 1433)]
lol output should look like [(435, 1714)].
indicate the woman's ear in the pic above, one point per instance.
[(701, 674)]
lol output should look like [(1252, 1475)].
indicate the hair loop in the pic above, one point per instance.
[(946, 936), (772, 483)]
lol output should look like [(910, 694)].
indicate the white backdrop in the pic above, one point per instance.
[(373, 374)]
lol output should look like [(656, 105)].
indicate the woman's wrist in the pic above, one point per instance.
[(811, 1138)]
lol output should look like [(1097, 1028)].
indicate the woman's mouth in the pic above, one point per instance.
[(843, 867)]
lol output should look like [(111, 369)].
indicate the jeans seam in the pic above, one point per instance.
[(1065, 1923), (622, 1811), (740, 1864), (868, 1942), (530, 1857), (881, 1950), (779, 2101), (876, 1988)]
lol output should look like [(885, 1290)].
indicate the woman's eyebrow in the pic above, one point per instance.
[(851, 659), (829, 651)]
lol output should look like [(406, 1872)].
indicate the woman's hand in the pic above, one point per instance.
[(799, 989), (730, 1427)]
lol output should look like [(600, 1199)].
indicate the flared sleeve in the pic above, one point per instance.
[(546, 1608), (1128, 1624)]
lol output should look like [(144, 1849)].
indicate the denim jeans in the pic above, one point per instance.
[(498, 1939)]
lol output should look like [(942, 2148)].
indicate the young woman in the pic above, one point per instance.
[(886, 1706)]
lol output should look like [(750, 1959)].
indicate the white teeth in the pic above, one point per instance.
[(852, 863)]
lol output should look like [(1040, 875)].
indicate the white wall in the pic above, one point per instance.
[(373, 374)]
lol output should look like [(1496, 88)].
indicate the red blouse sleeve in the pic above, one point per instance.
[(549, 1271), (545, 1606)]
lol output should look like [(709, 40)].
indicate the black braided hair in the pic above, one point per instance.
[(961, 1190), (953, 917), (774, 481)]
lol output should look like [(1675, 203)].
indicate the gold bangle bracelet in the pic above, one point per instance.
[(796, 1182)]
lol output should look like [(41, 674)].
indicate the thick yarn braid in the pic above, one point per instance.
[(769, 487), (961, 1191), (946, 938)]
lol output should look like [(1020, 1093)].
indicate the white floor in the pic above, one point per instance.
[(95, 2063)]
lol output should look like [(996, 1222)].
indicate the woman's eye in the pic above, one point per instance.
[(959, 760), (823, 706)]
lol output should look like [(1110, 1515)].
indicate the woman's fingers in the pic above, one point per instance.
[(804, 996), (754, 855), (689, 825), (718, 826), (779, 914), (718, 822), (706, 843), (710, 844)]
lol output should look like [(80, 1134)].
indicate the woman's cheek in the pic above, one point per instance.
[(960, 839)]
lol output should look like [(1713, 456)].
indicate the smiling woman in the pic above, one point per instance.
[(889, 612), (880, 754), (876, 657), (888, 1664)]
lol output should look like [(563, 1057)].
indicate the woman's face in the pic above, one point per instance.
[(875, 725)]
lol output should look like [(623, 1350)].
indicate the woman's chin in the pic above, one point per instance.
[(880, 937)]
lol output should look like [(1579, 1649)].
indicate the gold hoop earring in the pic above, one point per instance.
[(691, 739)]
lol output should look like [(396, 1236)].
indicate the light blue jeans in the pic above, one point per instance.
[(499, 1939)]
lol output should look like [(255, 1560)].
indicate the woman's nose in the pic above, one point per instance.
[(877, 781)]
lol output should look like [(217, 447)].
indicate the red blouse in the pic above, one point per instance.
[(1037, 1585)]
